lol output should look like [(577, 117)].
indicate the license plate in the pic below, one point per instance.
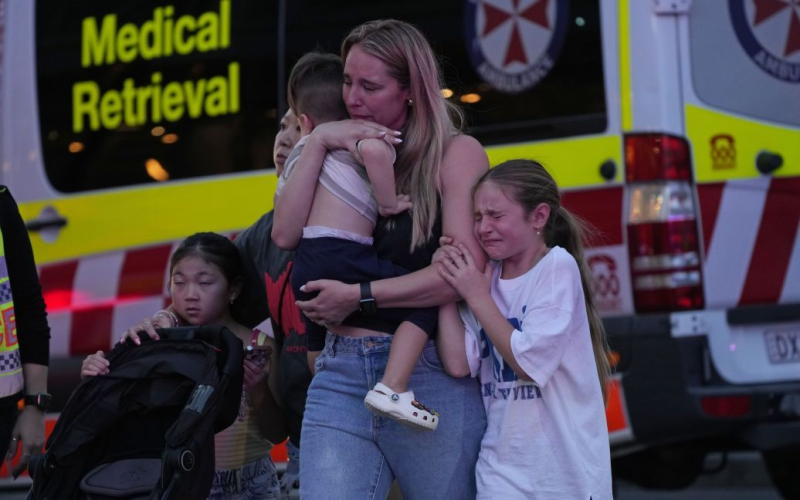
[(783, 344)]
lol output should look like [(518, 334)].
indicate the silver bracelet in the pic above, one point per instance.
[(172, 317)]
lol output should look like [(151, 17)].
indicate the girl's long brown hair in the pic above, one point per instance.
[(529, 184)]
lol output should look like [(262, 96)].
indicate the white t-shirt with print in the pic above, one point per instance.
[(548, 438)]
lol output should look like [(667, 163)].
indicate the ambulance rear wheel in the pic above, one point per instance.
[(783, 465)]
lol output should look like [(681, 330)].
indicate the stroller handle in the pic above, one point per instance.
[(217, 335)]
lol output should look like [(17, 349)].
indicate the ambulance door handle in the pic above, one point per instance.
[(768, 162), (608, 170), (48, 221), (36, 225)]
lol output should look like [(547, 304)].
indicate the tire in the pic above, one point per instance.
[(783, 465)]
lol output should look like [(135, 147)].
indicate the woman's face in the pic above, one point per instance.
[(370, 93), (287, 136)]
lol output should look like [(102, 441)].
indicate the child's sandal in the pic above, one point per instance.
[(402, 407)]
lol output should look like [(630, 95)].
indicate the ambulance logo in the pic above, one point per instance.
[(769, 31), (513, 44)]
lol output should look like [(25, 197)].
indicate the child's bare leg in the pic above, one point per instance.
[(407, 345), (391, 397)]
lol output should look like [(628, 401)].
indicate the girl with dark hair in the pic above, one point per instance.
[(533, 337), (205, 281)]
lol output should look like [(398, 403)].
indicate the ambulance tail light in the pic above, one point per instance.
[(663, 243)]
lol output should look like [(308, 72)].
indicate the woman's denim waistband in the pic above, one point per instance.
[(360, 345)]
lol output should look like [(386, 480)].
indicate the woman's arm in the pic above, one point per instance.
[(465, 161), (291, 212)]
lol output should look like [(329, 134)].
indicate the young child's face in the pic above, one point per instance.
[(200, 292), (501, 226), (287, 136)]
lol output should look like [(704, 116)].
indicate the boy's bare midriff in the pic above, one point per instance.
[(328, 210)]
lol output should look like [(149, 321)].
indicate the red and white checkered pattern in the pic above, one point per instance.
[(90, 302)]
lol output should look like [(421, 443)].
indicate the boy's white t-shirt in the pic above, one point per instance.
[(548, 438)]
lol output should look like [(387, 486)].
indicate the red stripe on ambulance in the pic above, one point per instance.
[(57, 285), (774, 243), (143, 271), (709, 196), (603, 207)]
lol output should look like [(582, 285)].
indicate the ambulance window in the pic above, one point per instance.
[(745, 58), (135, 92), (519, 76)]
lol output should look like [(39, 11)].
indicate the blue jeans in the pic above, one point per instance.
[(257, 480), (350, 454)]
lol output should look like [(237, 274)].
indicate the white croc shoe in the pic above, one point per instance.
[(384, 402)]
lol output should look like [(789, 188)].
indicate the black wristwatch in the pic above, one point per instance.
[(41, 400), (367, 304)]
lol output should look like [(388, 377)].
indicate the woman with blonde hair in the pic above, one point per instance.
[(392, 87)]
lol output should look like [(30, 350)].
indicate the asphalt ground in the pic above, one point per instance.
[(744, 478)]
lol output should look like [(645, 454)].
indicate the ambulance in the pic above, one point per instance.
[(672, 126)]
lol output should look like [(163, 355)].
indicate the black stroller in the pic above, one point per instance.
[(146, 430)]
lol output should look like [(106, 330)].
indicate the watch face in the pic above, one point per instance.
[(41, 401), (368, 307)]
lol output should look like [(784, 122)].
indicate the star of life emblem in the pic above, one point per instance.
[(513, 44), (769, 31)]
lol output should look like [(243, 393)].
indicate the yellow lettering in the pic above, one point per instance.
[(225, 24), (233, 86), (142, 94), (183, 45), (151, 30), (168, 11), (195, 92), (172, 102), (128, 95), (156, 101), (84, 102), (208, 32), (111, 109), (217, 100), (97, 49), (126, 43)]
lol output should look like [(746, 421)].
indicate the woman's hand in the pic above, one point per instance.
[(29, 433), (457, 267), (148, 325), (335, 302), (94, 365), (346, 134)]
